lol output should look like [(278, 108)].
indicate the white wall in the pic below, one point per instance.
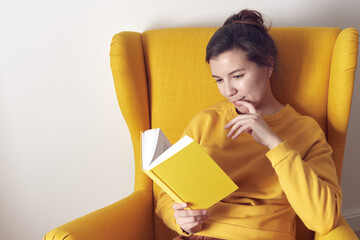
[(64, 147)]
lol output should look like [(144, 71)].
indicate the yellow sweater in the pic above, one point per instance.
[(296, 177)]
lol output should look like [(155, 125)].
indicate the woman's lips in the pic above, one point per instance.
[(238, 102)]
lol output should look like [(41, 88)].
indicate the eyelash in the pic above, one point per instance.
[(239, 76), (236, 77)]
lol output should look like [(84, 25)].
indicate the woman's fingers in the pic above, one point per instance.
[(179, 206), (243, 128), (255, 125), (249, 106), (193, 219), (241, 118), (238, 122), (252, 114), (189, 220), (192, 227), (190, 213)]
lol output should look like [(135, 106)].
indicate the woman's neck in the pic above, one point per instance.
[(270, 105)]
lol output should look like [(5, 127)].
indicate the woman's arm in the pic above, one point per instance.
[(310, 184)]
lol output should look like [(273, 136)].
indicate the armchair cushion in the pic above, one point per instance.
[(129, 218), (342, 231)]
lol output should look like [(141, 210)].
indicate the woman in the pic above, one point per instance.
[(279, 159)]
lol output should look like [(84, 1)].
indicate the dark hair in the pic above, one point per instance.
[(246, 31)]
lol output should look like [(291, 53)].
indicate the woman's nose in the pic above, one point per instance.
[(230, 90)]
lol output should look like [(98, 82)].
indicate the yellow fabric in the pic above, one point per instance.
[(341, 84), (303, 174), (110, 223), (128, 68), (343, 231), (162, 80)]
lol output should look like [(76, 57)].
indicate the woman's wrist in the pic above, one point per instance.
[(274, 142)]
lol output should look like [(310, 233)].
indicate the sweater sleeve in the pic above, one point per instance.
[(310, 184)]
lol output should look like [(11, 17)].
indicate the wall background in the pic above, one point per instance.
[(65, 149)]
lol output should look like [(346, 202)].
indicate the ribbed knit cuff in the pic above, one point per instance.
[(279, 153)]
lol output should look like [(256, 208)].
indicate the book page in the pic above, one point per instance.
[(161, 146), (148, 141), (182, 143), (153, 144)]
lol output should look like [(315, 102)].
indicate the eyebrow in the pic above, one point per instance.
[(232, 72)]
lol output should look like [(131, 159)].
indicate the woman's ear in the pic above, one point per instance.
[(270, 71), (270, 67)]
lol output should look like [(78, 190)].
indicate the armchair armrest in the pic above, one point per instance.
[(129, 218), (342, 231)]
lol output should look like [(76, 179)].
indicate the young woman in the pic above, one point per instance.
[(279, 159)]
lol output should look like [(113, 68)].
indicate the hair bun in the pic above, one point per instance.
[(247, 17)]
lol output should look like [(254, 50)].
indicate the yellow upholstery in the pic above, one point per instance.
[(162, 80)]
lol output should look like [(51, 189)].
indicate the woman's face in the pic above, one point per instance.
[(239, 79)]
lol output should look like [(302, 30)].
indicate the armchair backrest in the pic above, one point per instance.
[(162, 80)]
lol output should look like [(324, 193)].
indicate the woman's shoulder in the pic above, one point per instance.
[(303, 133), (302, 118), (302, 124)]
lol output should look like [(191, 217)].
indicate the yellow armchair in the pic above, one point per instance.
[(162, 80)]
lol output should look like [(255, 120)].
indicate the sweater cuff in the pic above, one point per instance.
[(279, 153)]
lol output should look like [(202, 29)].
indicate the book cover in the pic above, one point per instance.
[(185, 171)]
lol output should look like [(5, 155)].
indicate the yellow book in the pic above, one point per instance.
[(184, 170)]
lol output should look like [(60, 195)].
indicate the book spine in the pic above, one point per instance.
[(157, 179)]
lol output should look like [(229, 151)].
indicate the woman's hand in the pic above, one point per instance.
[(190, 221), (255, 125)]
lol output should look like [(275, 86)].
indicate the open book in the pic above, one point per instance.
[(184, 170)]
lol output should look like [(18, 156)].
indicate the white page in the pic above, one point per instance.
[(182, 143), (153, 143), (161, 146), (148, 141)]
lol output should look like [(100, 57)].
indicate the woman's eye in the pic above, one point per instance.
[(239, 76), (218, 80)]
